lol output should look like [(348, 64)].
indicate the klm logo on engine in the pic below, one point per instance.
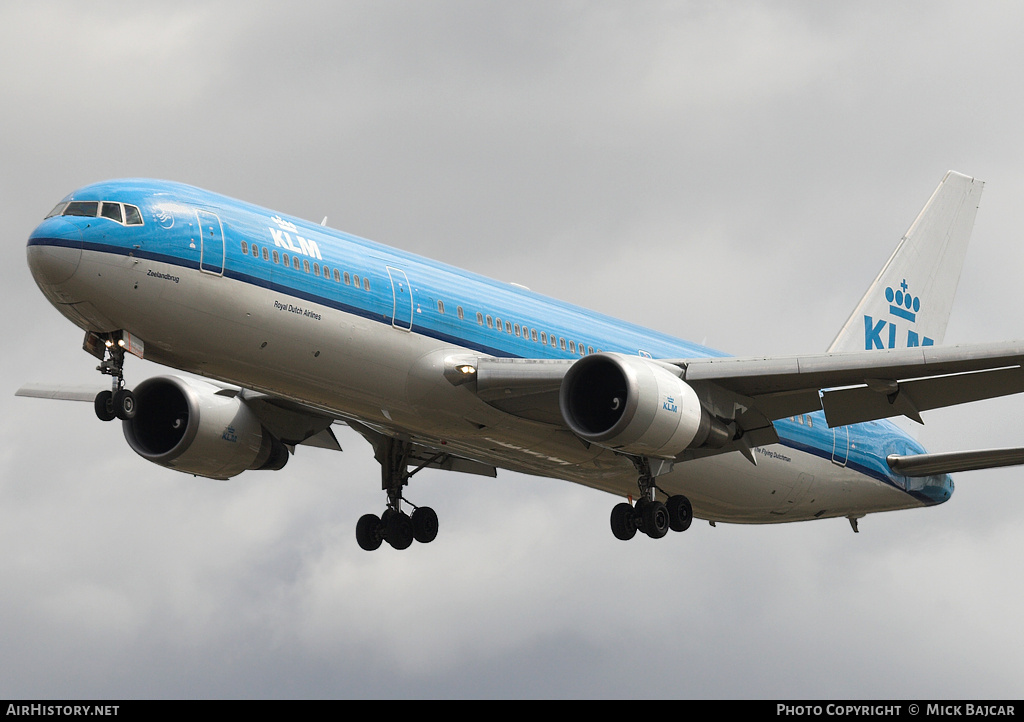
[(903, 310), (669, 404), (282, 236), (230, 435)]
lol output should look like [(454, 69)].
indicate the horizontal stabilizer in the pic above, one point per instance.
[(954, 461)]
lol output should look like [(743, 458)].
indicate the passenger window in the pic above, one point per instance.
[(490, 322), (355, 280), (277, 257), (85, 209), (255, 251), (517, 329), (366, 283), (497, 323), (266, 254), (337, 276), (327, 273), (113, 212), (590, 350), (479, 318), (544, 338), (458, 310), (348, 279), (132, 216), (572, 346), (533, 333), (316, 269), (561, 342), (295, 263), (440, 307), (287, 260), (305, 265), (245, 248), (508, 327)]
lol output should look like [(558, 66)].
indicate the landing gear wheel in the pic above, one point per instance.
[(104, 406), (124, 404), (680, 513), (623, 521), (655, 519), (398, 532), (368, 532), (424, 525)]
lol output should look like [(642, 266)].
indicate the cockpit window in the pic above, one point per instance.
[(132, 217), (86, 209), (119, 212), (113, 212)]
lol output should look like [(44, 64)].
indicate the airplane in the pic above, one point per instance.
[(292, 327)]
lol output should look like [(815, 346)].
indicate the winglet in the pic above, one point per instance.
[(909, 302)]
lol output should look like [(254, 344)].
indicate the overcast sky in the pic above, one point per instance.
[(734, 173)]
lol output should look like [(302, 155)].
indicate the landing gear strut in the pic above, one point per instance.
[(651, 516), (119, 402), (395, 526)]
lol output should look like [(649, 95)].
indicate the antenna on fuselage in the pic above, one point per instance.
[(324, 221)]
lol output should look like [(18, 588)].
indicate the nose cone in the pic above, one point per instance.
[(54, 252)]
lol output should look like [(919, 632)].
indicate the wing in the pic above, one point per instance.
[(863, 386), (749, 393), (293, 423)]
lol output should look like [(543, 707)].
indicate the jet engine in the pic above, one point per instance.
[(636, 406), (200, 429)]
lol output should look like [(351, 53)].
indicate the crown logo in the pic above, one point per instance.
[(283, 224), (903, 304)]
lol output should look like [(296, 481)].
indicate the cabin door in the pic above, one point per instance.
[(211, 243), (840, 445), (401, 315)]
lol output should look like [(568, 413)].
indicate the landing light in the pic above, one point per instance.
[(459, 373)]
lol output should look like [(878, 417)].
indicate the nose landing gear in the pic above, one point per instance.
[(119, 402)]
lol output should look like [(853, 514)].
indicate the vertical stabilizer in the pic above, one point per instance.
[(909, 302)]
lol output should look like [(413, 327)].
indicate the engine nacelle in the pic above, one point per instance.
[(633, 405), (193, 427)]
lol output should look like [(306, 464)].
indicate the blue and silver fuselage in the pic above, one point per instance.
[(256, 298)]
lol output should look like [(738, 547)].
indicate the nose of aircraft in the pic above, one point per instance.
[(54, 252)]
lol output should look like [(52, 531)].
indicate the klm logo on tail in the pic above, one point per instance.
[(903, 307)]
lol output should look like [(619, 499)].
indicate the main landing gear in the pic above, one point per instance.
[(394, 526), (654, 518), (119, 402)]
